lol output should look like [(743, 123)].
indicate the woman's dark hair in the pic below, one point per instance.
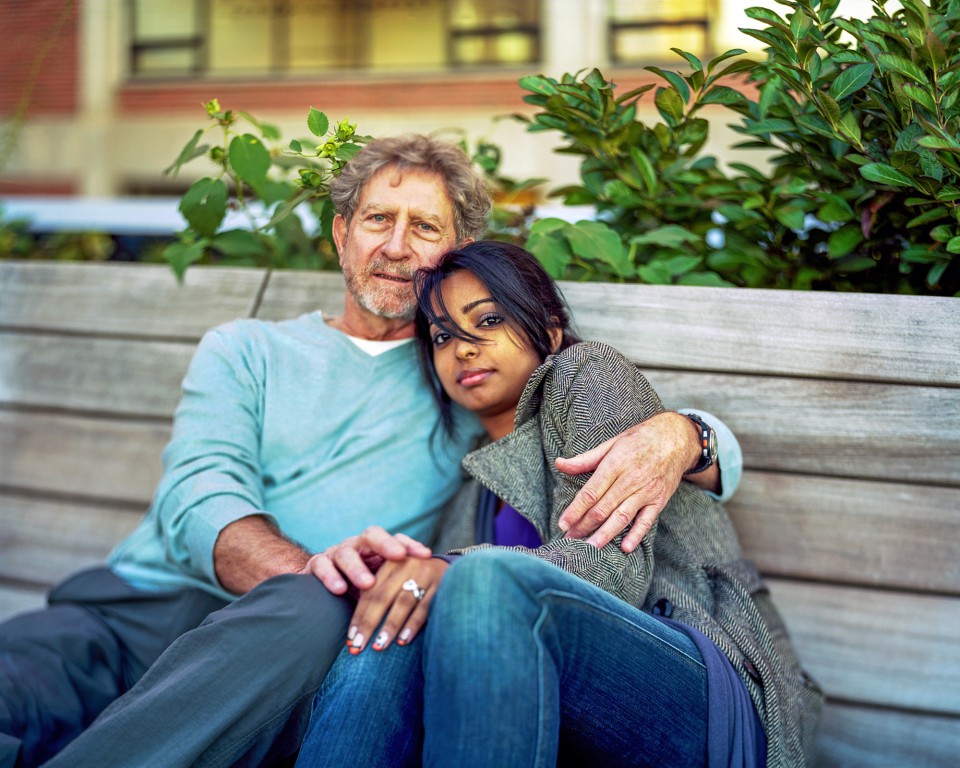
[(524, 293)]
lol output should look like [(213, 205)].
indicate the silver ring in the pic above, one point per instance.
[(411, 586)]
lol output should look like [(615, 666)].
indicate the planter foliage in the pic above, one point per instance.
[(859, 123)]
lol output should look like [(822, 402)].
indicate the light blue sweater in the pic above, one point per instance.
[(292, 420)]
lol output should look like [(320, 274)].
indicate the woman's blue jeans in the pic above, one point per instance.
[(520, 664)]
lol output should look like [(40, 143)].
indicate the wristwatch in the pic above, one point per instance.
[(708, 445)]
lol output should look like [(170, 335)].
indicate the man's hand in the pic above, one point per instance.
[(394, 601), (635, 475), (354, 562)]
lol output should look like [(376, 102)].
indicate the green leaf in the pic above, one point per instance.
[(190, 150), (851, 80), (881, 173), (927, 217), (296, 146), (714, 63), (317, 122), (645, 167), (891, 63), (249, 159), (815, 124), (675, 80), (835, 209), (932, 142), (773, 125), (204, 205), (548, 244), (669, 105), (790, 216), (181, 255), (922, 96), (669, 236), (953, 246), (238, 242), (538, 84), (850, 128), (347, 151), (594, 240), (830, 109), (942, 233), (681, 264), (705, 279), (844, 240), (655, 273), (635, 93), (936, 272), (722, 94), (694, 61), (771, 18)]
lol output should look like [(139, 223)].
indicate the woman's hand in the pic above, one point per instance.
[(400, 599)]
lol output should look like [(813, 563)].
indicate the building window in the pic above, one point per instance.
[(644, 31), (276, 37)]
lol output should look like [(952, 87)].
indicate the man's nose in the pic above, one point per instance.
[(397, 245)]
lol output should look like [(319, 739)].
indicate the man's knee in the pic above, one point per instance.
[(289, 610)]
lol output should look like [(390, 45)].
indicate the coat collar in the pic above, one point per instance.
[(513, 467)]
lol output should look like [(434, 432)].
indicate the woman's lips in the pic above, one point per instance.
[(473, 376)]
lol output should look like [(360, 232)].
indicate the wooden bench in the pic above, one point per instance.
[(847, 406)]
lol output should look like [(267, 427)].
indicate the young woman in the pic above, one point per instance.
[(545, 649)]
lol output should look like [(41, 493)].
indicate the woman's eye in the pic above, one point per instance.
[(440, 338), (488, 321)]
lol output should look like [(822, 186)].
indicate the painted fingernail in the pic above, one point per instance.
[(351, 632), (404, 637), (357, 643), (381, 641)]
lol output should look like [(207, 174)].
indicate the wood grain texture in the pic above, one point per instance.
[(45, 540), (290, 294), (113, 376), (850, 531), (81, 457), (113, 298), (854, 737), (831, 428), (870, 646), (830, 335)]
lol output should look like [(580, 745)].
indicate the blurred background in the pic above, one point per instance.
[(98, 96)]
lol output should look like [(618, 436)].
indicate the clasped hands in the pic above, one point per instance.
[(634, 475)]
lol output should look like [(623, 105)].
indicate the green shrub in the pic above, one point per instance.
[(858, 120)]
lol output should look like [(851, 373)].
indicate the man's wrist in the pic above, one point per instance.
[(706, 439)]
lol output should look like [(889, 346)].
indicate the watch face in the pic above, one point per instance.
[(712, 446)]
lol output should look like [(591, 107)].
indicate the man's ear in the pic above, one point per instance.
[(556, 337), (339, 235)]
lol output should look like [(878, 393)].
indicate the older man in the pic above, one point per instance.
[(290, 437)]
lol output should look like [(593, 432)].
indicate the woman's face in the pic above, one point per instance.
[(485, 377)]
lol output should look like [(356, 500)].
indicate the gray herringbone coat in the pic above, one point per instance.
[(575, 401)]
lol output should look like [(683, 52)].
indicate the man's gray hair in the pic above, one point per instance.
[(464, 186)]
